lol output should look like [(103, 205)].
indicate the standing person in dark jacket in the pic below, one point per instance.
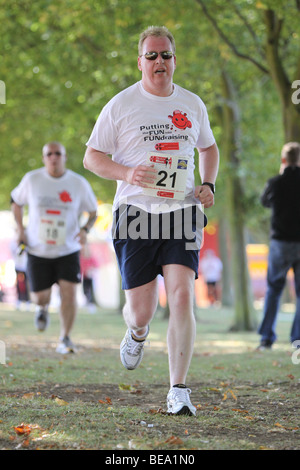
[(282, 195)]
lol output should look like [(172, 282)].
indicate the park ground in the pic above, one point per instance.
[(245, 399)]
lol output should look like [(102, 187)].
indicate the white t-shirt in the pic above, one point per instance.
[(136, 122), (54, 208), (211, 268)]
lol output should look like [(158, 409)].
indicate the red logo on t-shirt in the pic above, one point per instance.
[(64, 196), (180, 120)]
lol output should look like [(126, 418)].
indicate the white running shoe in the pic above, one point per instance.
[(41, 319), (179, 403), (131, 351), (65, 346)]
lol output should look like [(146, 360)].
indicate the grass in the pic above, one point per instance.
[(246, 400)]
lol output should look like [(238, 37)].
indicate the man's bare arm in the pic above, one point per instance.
[(18, 215), (209, 163), (208, 168), (102, 165)]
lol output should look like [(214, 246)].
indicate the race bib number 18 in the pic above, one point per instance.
[(52, 229), (171, 176)]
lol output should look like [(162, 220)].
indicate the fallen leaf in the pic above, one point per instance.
[(27, 396), (276, 430), (126, 387), (240, 411), (136, 392), (290, 376), (225, 396), (23, 429), (107, 401), (287, 428), (173, 440), (60, 402), (158, 411), (233, 395), (243, 387)]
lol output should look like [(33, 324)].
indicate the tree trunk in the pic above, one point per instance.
[(290, 110), (243, 306), (273, 65), (227, 300)]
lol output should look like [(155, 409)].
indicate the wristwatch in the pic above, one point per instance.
[(211, 185)]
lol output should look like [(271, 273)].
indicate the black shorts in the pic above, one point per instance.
[(145, 242), (44, 272)]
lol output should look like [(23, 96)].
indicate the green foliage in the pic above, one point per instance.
[(62, 61), (240, 33)]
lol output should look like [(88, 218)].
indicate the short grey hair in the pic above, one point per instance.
[(157, 31), (57, 144), (291, 152)]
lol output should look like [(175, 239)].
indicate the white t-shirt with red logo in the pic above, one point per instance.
[(135, 123), (54, 208)]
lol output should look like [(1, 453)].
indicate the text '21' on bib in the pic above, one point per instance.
[(171, 176)]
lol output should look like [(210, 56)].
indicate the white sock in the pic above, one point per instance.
[(139, 337)]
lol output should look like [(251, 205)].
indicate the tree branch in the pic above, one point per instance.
[(277, 71), (249, 28), (228, 42), (297, 76), (274, 25)]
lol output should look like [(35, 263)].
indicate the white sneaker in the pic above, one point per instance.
[(131, 351), (65, 346), (179, 403), (41, 319)]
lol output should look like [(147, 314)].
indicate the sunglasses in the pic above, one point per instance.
[(152, 55), (57, 153)]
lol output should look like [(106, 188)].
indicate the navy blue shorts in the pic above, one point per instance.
[(44, 272), (145, 242)]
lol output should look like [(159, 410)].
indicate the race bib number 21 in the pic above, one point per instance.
[(171, 176)]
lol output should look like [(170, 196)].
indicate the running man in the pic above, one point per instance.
[(130, 127), (56, 198)]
